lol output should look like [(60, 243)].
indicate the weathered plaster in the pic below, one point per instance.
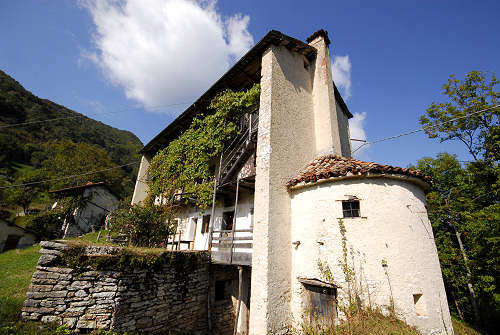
[(285, 144), (330, 122), (344, 133), (99, 202), (393, 227), (141, 188)]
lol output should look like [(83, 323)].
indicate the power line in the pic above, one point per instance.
[(424, 128), (68, 177), (95, 114)]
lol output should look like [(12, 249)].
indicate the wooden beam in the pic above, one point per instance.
[(239, 238), (236, 231), (234, 217)]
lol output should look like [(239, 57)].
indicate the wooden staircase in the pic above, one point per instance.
[(240, 149)]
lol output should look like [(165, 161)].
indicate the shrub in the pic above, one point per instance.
[(144, 226), (45, 225)]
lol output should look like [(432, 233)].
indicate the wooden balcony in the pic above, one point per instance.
[(232, 247)]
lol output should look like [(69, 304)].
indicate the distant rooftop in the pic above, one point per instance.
[(77, 189)]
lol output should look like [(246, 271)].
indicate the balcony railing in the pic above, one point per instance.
[(232, 247)]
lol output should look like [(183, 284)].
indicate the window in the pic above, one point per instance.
[(176, 225), (220, 290), (227, 220), (251, 218), (205, 224), (350, 208), (191, 230), (419, 304)]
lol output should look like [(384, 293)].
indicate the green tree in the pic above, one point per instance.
[(449, 120), (65, 158), (464, 199), (144, 225), (464, 212), (25, 195)]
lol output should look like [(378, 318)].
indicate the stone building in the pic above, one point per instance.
[(14, 237), (285, 183), (97, 201)]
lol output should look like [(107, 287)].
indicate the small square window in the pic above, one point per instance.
[(350, 208)]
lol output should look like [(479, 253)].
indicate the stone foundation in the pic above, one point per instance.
[(130, 299)]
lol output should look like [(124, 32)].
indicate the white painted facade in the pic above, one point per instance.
[(99, 201), (19, 235), (300, 119), (393, 229), (191, 223)]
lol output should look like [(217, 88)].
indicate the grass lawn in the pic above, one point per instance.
[(17, 267)]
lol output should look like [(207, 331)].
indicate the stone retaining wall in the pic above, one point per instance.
[(129, 299)]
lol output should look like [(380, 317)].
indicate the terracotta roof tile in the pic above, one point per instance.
[(331, 166)]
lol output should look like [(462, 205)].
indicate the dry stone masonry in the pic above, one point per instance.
[(119, 297)]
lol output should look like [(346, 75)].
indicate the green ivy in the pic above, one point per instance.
[(188, 162)]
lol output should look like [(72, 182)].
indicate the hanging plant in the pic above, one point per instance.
[(187, 164)]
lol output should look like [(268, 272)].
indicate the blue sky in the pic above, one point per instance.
[(135, 66)]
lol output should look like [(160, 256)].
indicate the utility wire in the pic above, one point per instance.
[(117, 167), (68, 177), (83, 116), (424, 128)]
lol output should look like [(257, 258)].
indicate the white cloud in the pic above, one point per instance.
[(164, 51), (341, 73), (238, 35), (356, 128)]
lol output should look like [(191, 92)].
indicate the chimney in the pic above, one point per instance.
[(330, 121)]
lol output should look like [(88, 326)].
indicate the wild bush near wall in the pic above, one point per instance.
[(143, 225)]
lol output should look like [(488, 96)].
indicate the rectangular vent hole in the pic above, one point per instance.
[(419, 304)]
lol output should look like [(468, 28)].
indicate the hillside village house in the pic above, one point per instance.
[(282, 188), (97, 202), (14, 237)]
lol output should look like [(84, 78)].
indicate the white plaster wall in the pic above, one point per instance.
[(244, 216), (100, 202), (141, 188), (26, 239), (330, 122), (286, 143), (393, 227)]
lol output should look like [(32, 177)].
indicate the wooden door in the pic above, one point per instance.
[(322, 303)]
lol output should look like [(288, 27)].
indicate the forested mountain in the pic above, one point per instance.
[(53, 149)]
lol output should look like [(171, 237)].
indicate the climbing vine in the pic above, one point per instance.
[(187, 164)]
